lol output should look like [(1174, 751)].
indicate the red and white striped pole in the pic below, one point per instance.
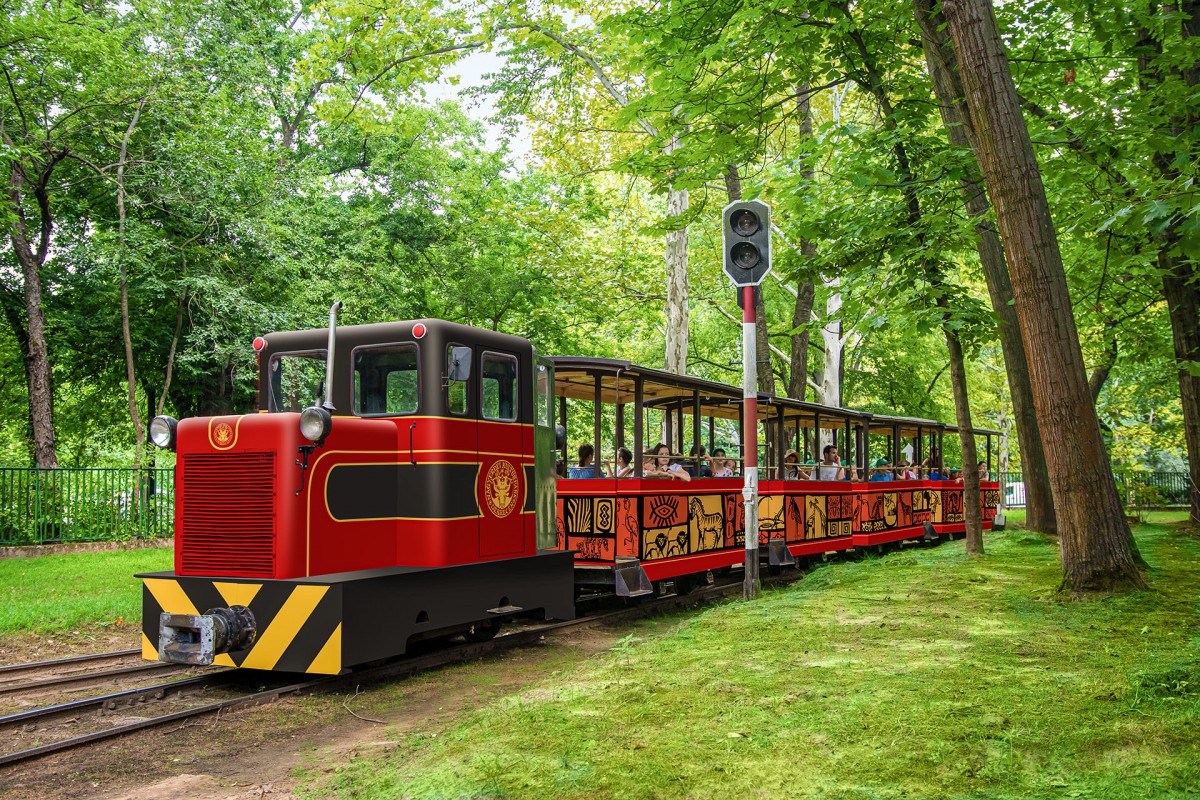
[(750, 439)]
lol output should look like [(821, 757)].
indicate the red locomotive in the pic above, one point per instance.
[(399, 480)]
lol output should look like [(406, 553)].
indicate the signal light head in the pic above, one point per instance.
[(745, 255), (746, 241), (745, 222)]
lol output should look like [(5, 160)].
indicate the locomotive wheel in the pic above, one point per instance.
[(483, 631)]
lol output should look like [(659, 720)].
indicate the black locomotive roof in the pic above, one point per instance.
[(383, 332)]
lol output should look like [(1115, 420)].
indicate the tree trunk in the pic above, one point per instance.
[(943, 69), (1180, 275), (1098, 552), (805, 292), (831, 334), (970, 466), (798, 377), (139, 430), (934, 274), (37, 351), (1183, 302), (677, 286)]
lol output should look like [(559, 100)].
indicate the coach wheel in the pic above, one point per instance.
[(483, 631)]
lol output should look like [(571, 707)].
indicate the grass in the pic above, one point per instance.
[(921, 674), (61, 593)]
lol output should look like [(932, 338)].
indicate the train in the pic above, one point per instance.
[(400, 480)]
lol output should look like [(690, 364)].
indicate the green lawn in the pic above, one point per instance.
[(918, 675), (52, 594)]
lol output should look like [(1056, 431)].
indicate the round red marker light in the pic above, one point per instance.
[(259, 344), (418, 330)]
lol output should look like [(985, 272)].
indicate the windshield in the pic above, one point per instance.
[(297, 380), (386, 380)]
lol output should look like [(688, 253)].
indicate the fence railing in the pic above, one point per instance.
[(43, 506), (1137, 489)]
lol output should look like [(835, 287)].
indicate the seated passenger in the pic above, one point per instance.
[(904, 471), (983, 471), (933, 465), (624, 463), (721, 466), (663, 467), (560, 468), (791, 466), (881, 470), (829, 469), (705, 470), (586, 468)]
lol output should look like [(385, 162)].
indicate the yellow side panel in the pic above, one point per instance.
[(170, 596), (329, 660), (283, 629), (237, 594)]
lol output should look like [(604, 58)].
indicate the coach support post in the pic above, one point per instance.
[(746, 240)]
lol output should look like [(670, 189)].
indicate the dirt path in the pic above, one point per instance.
[(257, 753)]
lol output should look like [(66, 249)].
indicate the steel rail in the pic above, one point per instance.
[(81, 677), (56, 662)]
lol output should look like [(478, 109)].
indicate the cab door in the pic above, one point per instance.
[(501, 488)]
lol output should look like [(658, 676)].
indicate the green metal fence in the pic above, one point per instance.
[(43, 506), (1137, 489)]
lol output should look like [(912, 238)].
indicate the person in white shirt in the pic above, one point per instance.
[(662, 466)]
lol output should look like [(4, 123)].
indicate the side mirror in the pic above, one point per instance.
[(460, 364)]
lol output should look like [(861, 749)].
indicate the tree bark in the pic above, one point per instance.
[(677, 286), (1098, 552), (1179, 274), (943, 69), (37, 351), (831, 333), (805, 292), (935, 275), (139, 430)]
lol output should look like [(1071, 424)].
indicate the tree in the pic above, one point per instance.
[(1098, 552), (943, 70)]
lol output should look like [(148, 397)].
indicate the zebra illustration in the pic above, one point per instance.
[(709, 526)]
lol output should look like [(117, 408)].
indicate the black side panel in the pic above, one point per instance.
[(402, 491), (381, 613)]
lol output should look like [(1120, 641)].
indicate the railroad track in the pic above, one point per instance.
[(48, 675), (119, 713)]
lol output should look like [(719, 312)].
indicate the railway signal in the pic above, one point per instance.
[(746, 240)]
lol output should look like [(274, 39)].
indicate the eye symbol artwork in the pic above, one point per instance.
[(663, 509)]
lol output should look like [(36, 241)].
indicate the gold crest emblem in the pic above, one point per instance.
[(501, 488), (223, 434)]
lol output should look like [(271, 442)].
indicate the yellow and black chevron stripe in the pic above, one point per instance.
[(299, 624)]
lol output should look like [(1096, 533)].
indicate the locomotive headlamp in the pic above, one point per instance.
[(315, 423), (162, 431)]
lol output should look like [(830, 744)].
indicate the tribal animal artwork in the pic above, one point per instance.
[(710, 527)]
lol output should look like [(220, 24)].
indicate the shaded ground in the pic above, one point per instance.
[(255, 753)]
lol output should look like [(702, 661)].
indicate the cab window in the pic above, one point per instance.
[(386, 380), (456, 390), (296, 380), (498, 386)]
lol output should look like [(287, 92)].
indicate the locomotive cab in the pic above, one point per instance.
[(401, 487)]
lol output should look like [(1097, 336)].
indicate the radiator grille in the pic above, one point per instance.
[(228, 508)]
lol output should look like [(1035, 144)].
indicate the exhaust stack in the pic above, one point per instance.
[(333, 309)]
